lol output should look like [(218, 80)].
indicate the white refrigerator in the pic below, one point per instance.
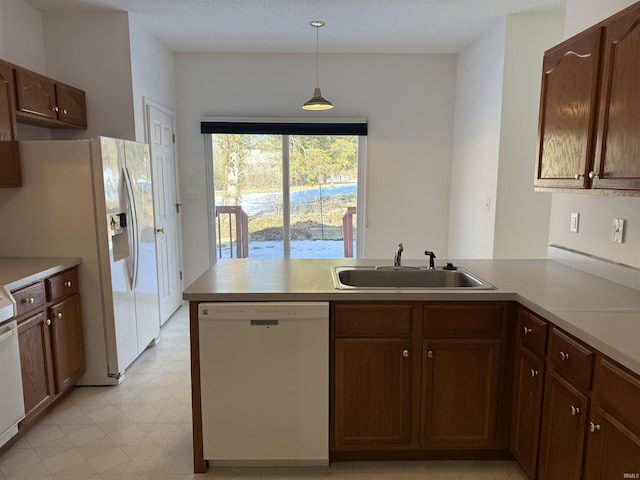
[(93, 199)]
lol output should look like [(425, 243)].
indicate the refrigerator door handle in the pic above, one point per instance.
[(133, 274)]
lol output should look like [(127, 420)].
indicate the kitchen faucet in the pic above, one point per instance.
[(397, 256), (432, 255)]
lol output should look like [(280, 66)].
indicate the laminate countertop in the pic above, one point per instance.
[(18, 272), (600, 312)]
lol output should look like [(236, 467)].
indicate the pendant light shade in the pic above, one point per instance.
[(317, 102)]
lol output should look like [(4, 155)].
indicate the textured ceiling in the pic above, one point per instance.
[(353, 26)]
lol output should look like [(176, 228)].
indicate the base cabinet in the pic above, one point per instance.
[(36, 363), (372, 392), (50, 340), (460, 393), (564, 425), (613, 441), (527, 409), (416, 377)]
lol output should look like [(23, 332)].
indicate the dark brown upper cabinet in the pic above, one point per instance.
[(589, 126)]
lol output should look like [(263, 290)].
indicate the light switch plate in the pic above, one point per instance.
[(617, 230), (575, 220)]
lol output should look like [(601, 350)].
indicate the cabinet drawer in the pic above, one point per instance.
[(532, 332), (373, 320), (571, 358), (619, 394), (29, 298), (62, 285), (463, 320)]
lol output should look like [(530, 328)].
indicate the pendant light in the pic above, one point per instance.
[(317, 102)]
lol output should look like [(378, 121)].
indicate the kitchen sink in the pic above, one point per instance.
[(372, 277)]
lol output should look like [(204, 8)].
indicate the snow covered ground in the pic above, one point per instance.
[(299, 249)]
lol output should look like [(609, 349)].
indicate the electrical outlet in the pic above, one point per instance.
[(617, 230), (575, 219)]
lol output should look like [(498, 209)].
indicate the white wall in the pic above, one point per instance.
[(522, 215), (408, 99), (476, 141), (91, 51), (596, 212), (494, 210), (153, 73), (21, 39)]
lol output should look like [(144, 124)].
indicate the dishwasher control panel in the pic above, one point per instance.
[(263, 310)]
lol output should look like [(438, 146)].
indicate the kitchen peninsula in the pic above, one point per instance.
[(581, 329)]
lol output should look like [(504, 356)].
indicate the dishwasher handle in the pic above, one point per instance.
[(264, 323), (11, 331)]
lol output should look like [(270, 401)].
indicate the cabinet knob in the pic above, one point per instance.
[(59, 315), (527, 331), (578, 176), (405, 353), (593, 427), (67, 284), (56, 109), (64, 111), (593, 174), (29, 300), (430, 354), (574, 410), (534, 373), (564, 356), (48, 322)]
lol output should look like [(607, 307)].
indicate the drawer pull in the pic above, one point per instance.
[(59, 315), (564, 356), (67, 284), (534, 373), (29, 300), (430, 354), (527, 331), (574, 410), (593, 427), (405, 353)]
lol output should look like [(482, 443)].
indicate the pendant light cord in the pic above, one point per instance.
[(317, 61)]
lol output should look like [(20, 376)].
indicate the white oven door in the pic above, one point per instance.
[(11, 399)]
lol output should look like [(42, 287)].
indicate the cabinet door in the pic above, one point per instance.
[(527, 406), (613, 450), (618, 139), (568, 112), (35, 95), (71, 105), (9, 154), (564, 420), (460, 393), (372, 383), (35, 362), (66, 341)]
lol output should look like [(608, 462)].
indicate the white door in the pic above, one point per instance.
[(166, 207)]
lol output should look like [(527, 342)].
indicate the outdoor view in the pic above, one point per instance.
[(251, 209)]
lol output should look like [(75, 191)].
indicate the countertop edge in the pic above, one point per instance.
[(33, 269)]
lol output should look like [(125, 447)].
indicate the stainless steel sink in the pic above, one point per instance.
[(371, 277)]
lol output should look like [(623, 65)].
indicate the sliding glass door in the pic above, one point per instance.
[(285, 195)]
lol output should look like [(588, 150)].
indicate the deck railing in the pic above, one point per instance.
[(347, 231), (241, 224)]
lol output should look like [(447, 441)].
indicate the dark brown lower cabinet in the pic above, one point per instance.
[(36, 364), (66, 340), (459, 393), (613, 441), (528, 385), (372, 378), (564, 425)]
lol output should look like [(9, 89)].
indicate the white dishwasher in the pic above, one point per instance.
[(264, 375)]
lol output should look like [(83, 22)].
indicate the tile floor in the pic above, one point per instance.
[(141, 430)]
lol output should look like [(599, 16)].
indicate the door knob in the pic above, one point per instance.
[(159, 230)]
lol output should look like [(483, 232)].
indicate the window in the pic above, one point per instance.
[(285, 195)]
